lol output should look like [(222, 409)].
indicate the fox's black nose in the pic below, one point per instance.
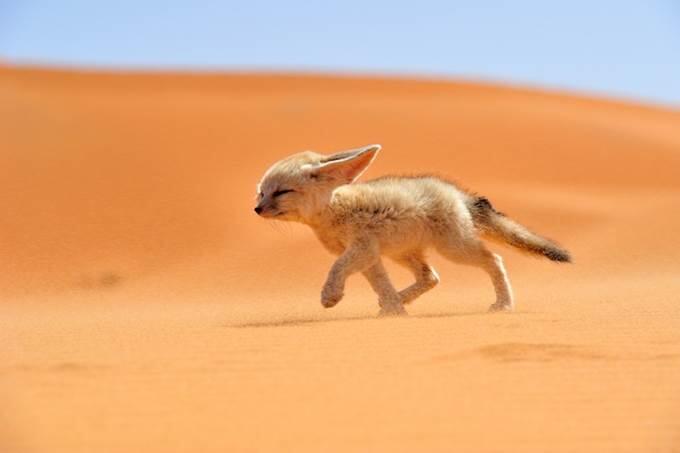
[(258, 209)]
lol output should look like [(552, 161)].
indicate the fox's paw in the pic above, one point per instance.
[(498, 307), (392, 310), (330, 297)]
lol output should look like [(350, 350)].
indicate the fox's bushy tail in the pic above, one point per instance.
[(496, 225)]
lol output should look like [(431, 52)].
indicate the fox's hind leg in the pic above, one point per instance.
[(426, 276), (493, 264), (388, 298), (476, 254)]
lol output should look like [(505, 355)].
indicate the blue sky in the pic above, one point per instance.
[(628, 49)]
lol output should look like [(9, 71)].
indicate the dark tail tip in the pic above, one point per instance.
[(559, 255)]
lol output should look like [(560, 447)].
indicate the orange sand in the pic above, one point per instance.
[(145, 308)]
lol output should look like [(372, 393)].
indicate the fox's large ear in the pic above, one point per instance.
[(348, 165)]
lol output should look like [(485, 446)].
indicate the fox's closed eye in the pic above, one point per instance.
[(278, 193)]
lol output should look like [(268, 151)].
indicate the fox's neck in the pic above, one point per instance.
[(317, 217), (317, 210)]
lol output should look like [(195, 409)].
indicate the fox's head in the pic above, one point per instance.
[(299, 186)]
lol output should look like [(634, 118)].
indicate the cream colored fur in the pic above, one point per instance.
[(395, 217)]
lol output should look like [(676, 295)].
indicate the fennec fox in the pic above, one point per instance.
[(397, 217)]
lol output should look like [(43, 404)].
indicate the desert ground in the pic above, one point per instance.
[(145, 307)]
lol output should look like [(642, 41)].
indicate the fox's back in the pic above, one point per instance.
[(400, 211)]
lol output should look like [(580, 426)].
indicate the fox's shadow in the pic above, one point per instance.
[(291, 322)]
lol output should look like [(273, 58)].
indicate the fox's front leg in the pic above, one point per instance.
[(359, 256), (390, 301)]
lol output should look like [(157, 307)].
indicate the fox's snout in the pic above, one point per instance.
[(270, 205), (264, 209)]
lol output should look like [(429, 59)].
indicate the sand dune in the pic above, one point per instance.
[(145, 308)]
